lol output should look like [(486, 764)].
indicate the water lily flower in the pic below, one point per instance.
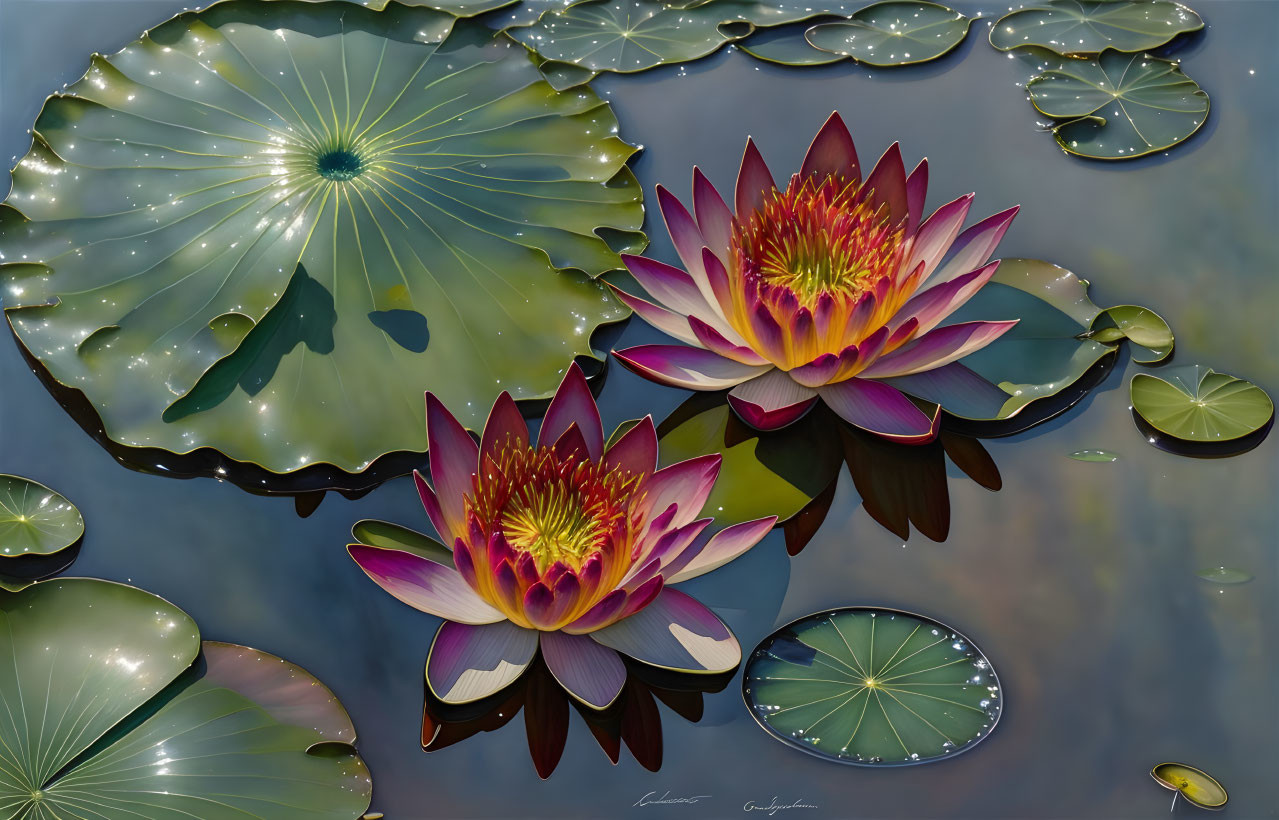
[(563, 544), (834, 287)]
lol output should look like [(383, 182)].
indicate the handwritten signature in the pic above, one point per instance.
[(774, 807), (651, 799)]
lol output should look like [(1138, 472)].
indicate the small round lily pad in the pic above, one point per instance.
[(35, 520), (1094, 455), (893, 33), (1198, 787), (1224, 575), (869, 686), (1089, 26), (1119, 106), (1196, 404)]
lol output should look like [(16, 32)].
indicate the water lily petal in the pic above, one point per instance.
[(664, 556), (711, 339), (592, 673), (571, 444), (721, 289), (636, 450), (916, 193), (832, 152), (688, 367), (605, 612), (685, 235), (573, 404), (939, 346), (674, 632), (468, 663), (937, 233), (956, 388), (886, 185), (930, 307), (454, 458), (686, 484), (771, 401), (972, 248), (713, 216), (769, 337), (880, 409), (505, 424), (424, 585), (432, 506), (671, 323), (672, 288), (754, 181), (723, 546)]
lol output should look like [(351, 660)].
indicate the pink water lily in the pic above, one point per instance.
[(564, 545), (833, 288)]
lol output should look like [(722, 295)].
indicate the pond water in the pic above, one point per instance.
[(1078, 579)]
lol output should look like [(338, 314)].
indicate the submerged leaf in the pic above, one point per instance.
[(1196, 404), (1119, 106), (872, 687), (1089, 26)]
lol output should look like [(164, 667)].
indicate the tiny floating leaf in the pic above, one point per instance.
[(35, 520), (1198, 787), (1119, 106), (876, 687), (1094, 455), (1089, 26), (1196, 404), (1224, 575)]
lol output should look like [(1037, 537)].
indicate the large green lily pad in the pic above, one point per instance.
[(110, 719), (872, 687), (636, 35), (1090, 26), (262, 227), (1119, 106), (35, 520), (1196, 404), (894, 32), (1058, 339)]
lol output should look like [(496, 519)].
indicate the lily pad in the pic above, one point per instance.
[(1196, 404), (526, 12), (35, 520), (1119, 106), (776, 473), (635, 35), (240, 733), (892, 33), (872, 687), (1100, 456), (257, 229), (1200, 788), (1046, 356), (786, 45), (1090, 26), (1224, 575)]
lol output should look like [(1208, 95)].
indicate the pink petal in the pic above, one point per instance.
[(930, 308), (469, 663), (665, 553), (592, 673), (768, 333), (505, 424), (880, 409), (603, 613), (686, 484), (825, 367), (771, 401), (711, 339), (832, 153), (432, 506), (424, 585), (687, 367), (937, 233), (972, 248), (454, 458), (957, 389), (721, 290), (571, 444), (713, 216), (724, 546), (674, 632), (636, 450), (886, 184), (936, 348), (754, 181), (671, 287), (672, 324), (685, 235), (916, 193), (574, 404)]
